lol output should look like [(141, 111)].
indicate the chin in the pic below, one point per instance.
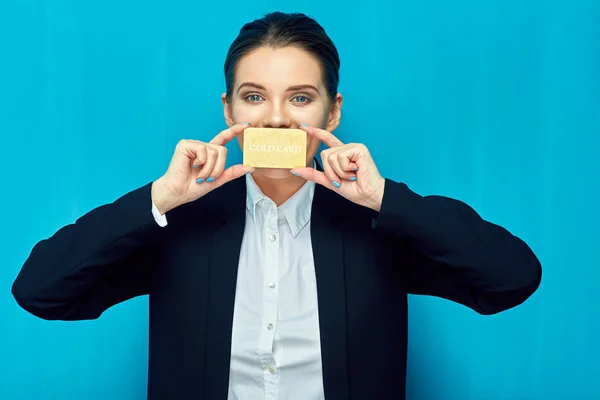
[(274, 173)]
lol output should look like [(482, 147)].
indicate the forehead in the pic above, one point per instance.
[(275, 68)]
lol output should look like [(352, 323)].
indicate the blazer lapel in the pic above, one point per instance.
[(328, 253), (224, 260)]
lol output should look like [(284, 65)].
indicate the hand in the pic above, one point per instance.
[(196, 169), (349, 170)]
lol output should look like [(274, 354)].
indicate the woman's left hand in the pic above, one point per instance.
[(349, 170)]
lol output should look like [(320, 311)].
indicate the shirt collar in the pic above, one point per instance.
[(297, 209)]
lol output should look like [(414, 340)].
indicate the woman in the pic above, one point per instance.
[(276, 285)]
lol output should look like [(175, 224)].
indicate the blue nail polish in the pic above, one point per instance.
[(303, 125), (199, 180), (246, 123), (336, 184), (294, 173), (196, 166), (210, 179), (355, 169), (353, 178)]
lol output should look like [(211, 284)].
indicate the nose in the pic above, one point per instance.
[(277, 117)]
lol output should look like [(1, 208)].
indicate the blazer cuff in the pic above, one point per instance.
[(398, 203)]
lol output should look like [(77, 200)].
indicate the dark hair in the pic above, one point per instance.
[(279, 30)]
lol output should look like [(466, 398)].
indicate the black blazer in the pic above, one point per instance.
[(366, 263)]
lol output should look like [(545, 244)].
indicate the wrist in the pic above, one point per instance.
[(162, 197), (377, 198)]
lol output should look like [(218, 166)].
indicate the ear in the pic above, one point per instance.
[(227, 111), (335, 114)]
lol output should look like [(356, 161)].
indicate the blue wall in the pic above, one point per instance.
[(494, 102)]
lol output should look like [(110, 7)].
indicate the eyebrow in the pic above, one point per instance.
[(290, 89)]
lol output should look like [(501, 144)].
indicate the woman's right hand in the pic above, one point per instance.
[(196, 168)]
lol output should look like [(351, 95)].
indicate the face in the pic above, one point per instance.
[(281, 88)]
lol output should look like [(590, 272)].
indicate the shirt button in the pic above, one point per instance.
[(271, 369), (272, 285), (270, 326), (272, 238)]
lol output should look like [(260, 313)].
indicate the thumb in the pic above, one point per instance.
[(232, 173), (312, 175)]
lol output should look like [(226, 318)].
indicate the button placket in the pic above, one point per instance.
[(270, 301)]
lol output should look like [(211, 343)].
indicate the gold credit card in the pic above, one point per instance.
[(274, 148)]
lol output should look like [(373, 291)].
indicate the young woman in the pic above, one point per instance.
[(272, 283)]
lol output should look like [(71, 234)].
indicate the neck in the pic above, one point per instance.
[(278, 190)]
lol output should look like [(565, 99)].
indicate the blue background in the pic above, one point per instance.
[(496, 103)]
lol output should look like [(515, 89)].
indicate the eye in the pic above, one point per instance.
[(253, 98), (302, 99)]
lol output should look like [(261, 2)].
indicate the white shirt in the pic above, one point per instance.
[(275, 347)]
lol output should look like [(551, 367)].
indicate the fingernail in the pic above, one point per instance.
[(199, 180), (294, 173), (303, 125), (196, 166), (249, 172), (336, 184), (210, 179), (246, 123), (355, 169), (353, 178)]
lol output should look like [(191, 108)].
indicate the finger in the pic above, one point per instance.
[(191, 150), (358, 155), (331, 174), (340, 163), (232, 173), (324, 136), (346, 161), (228, 134), (220, 162), (200, 154), (313, 175), (206, 170)]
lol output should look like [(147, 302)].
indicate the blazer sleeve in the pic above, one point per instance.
[(450, 252), (102, 259)]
